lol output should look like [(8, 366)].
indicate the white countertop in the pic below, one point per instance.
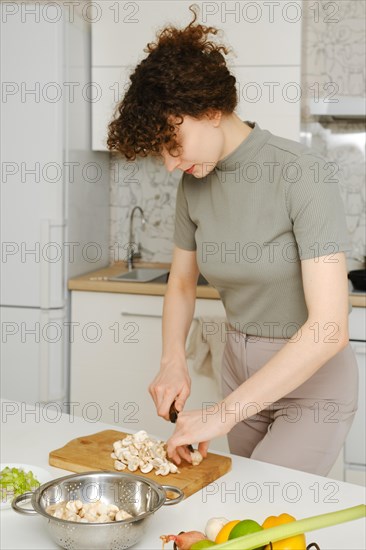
[(252, 489)]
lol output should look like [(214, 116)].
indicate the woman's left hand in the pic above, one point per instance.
[(196, 427)]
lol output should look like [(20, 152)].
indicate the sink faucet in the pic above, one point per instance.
[(130, 250)]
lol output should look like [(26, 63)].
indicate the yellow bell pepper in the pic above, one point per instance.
[(292, 543)]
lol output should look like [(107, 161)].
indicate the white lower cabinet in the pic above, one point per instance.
[(355, 475), (355, 446), (115, 354), (351, 463)]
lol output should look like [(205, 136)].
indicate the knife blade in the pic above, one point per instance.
[(173, 415)]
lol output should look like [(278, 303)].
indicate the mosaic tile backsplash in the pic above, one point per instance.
[(329, 53), (150, 186), (333, 47)]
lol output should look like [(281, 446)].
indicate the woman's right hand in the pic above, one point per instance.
[(172, 383)]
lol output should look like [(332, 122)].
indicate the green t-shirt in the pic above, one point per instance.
[(267, 205)]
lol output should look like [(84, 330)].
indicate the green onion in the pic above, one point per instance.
[(15, 481), (293, 528)]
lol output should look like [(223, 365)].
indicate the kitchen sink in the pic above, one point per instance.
[(142, 275), (150, 274)]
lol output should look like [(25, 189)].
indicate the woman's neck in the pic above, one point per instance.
[(235, 132)]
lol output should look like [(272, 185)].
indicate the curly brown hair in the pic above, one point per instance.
[(184, 73)]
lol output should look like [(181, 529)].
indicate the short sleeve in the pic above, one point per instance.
[(315, 207), (185, 228)]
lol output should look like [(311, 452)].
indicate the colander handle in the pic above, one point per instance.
[(173, 489), (22, 498)]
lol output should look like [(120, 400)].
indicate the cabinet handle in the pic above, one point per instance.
[(44, 362), (137, 314), (45, 266), (360, 349)]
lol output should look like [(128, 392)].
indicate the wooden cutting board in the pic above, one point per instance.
[(93, 452)]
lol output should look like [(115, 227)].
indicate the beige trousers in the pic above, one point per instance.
[(306, 429)]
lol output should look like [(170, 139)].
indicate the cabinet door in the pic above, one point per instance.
[(114, 356), (33, 347), (270, 96), (259, 34), (109, 87), (357, 323), (32, 191), (357, 476), (268, 74), (355, 446)]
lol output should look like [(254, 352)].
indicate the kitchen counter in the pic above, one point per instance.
[(252, 489), (97, 281)]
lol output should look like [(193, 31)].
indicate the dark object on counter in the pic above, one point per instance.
[(313, 545), (202, 281), (173, 415), (358, 279)]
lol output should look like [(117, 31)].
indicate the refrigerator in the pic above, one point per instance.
[(54, 194)]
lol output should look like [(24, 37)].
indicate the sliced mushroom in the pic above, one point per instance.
[(173, 468), (78, 504), (147, 453), (119, 465), (163, 470), (117, 445), (133, 463), (89, 512), (146, 468), (103, 518), (121, 515)]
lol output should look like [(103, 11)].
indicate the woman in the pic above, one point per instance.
[(260, 217)]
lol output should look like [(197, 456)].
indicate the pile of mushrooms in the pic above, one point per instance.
[(90, 512), (141, 451)]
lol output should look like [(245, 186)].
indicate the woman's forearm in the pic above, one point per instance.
[(290, 367), (178, 310)]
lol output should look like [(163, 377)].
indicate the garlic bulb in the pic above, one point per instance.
[(213, 526)]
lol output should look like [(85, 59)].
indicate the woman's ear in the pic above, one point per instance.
[(215, 117)]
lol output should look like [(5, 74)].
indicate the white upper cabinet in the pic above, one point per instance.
[(260, 33), (270, 96), (265, 57), (109, 84)]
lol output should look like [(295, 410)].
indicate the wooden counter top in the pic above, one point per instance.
[(357, 299), (97, 281)]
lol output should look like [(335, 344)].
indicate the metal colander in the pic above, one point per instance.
[(137, 495)]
